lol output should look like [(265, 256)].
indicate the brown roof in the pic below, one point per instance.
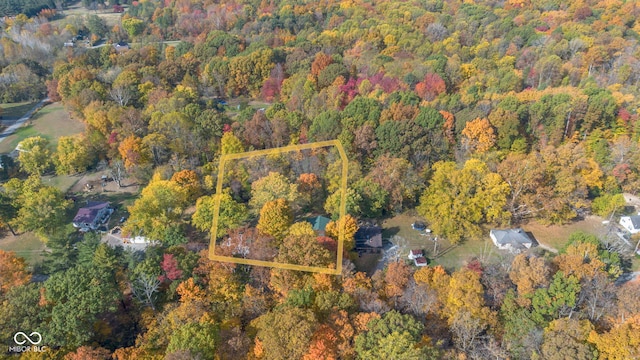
[(88, 213)]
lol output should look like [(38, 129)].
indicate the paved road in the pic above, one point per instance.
[(18, 123)]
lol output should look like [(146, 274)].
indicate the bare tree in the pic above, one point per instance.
[(597, 296), (144, 288), (121, 95), (117, 171), (466, 329)]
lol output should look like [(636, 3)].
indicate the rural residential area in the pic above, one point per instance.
[(319, 180)]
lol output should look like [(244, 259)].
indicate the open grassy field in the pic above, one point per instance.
[(26, 245), (454, 256), (51, 122), (14, 111), (77, 10)]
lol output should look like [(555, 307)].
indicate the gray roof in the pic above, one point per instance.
[(511, 236), (635, 221)]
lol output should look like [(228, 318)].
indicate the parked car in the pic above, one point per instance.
[(123, 219), (419, 225)]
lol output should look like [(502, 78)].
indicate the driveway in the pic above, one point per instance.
[(18, 123)]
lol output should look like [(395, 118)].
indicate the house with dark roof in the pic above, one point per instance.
[(319, 224), (93, 215), (514, 240), (368, 239), (631, 223)]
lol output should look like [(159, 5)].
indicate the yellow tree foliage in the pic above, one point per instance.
[(72, 155), (301, 228), (275, 218), (621, 342), (479, 135), (230, 144), (350, 226), (528, 273)]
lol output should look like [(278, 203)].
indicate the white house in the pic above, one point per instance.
[(514, 240), (631, 223)]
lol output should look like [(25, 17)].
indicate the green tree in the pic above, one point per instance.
[(332, 205), (133, 26), (96, 25), (75, 298), (35, 156), (8, 211), (457, 200), (556, 301), (384, 334), (199, 338), (231, 215)]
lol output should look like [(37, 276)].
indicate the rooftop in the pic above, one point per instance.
[(319, 223), (511, 236), (88, 213)]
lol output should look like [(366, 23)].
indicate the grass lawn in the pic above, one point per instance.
[(15, 111), (61, 182), (51, 122), (26, 245), (454, 256)]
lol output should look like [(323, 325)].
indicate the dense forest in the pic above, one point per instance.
[(469, 113)]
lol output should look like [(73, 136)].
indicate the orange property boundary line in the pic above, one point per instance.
[(290, 148)]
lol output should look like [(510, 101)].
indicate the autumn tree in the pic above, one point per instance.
[(41, 209), (285, 333), (72, 155), (34, 155), (231, 144), (159, 206), (272, 187), (188, 180), (621, 342), (12, 271), (349, 227), (134, 152), (479, 135), (275, 218), (457, 200), (528, 274), (565, 338)]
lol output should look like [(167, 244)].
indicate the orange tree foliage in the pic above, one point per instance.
[(12, 271), (528, 273), (188, 180), (479, 135), (133, 152)]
